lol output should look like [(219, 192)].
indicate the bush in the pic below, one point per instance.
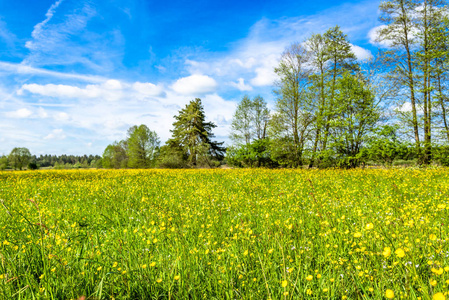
[(33, 166)]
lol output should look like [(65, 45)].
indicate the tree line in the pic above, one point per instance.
[(21, 158), (331, 109)]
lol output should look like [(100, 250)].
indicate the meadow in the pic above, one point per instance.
[(224, 234)]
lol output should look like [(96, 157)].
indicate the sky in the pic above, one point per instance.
[(76, 74)]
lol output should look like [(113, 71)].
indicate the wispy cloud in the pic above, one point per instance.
[(38, 32), (23, 69)]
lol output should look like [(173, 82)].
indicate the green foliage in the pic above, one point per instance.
[(193, 134), (250, 120), (19, 158), (115, 156), (143, 146), (3, 162), (441, 155), (172, 156), (256, 154), (356, 115), (33, 166), (385, 146)]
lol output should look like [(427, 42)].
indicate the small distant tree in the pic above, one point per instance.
[(115, 156), (19, 158), (3, 162)]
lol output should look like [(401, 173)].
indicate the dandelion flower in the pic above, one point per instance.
[(369, 226), (309, 278), (389, 294), (439, 296), (159, 280), (357, 234), (284, 283), (386, 252), (177, 277), (399, 253)]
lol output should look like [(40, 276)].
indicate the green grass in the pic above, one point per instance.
[(223, 234)]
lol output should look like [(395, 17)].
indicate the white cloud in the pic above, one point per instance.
[(265, 76), (61, 116), (21, 113), (240, 85), (195, 85), (42, 113), (148, 89), (111, 90), (38, 28), (373, 36), (56, 134), (361, 53), (22, 69)]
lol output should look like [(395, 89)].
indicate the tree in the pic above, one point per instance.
[(291, 124), (143, 145), (192, 133), (399, 17), (356, 116), (250, 120), (3, 162), (115, 156), (331, 56), (19, 158)]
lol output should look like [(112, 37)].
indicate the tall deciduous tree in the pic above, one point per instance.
[(250, 120), (291, 124), (356, 116), (143, 145), (399, 32)]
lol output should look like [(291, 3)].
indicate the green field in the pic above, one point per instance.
[(224, 234)]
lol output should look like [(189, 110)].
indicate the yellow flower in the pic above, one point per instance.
[(318, 276), (177, 277), (309, 292), (357, 234), (152, 264), (2, 276), (284, 283), (159, 280), (389, 294), (441, 206), (155, 241), (433, 282), (270, 251), (114, 264), (245, 253), (432, 237), (144, 266), (369, 226), (285, 293), (309, 278), (54, 269), (5, 242), (99, 268), (399, 252), (439, 296)]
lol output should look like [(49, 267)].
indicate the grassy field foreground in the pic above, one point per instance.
[(224, 234)]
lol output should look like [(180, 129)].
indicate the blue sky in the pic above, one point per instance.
[(76, 74)]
